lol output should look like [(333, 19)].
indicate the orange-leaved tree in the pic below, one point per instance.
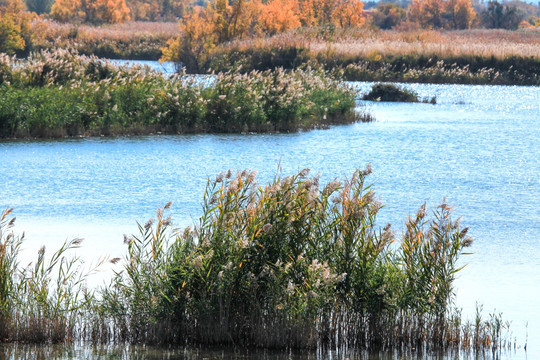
[(427, 13), (442, 14), (280, 15), (197, 38), (459, 14), (94, 11), (348, 13), (205, 28)]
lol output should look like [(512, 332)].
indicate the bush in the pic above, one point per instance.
[(390, 92)]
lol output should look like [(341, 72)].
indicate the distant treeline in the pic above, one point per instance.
[(205, 24)]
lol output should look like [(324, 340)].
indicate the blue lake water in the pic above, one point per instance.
[(479, 147)]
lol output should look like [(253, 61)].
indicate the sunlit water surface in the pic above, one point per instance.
[(479, 147)]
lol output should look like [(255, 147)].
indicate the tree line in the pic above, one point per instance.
[(207, 23)]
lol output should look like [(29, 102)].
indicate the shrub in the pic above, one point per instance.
[(390, 92)]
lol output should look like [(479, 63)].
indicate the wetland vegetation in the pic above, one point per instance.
[(62, 94), (290, 264)]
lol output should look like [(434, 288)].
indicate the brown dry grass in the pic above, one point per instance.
[(126, 31), (445, 44)]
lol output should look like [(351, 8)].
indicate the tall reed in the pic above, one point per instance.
[(475, 57), (291, 264), (44, 301)]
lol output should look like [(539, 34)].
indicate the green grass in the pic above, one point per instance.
[(63, 94)]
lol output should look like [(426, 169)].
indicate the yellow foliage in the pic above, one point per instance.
[(306, 12), (154, 10), (428, 13), (348, 13), (279, 16), (222, 20), (439, 14), (15, 26), (95, 11), (460, 14), (67, 10)]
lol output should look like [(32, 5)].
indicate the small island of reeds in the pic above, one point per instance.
[(394, 93), (60, 93), (292, 264)]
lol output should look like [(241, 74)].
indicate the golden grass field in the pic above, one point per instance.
[(366, 44)]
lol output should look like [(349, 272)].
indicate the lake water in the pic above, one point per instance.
[(479, 147)]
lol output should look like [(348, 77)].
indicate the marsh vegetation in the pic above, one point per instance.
[(289, 264), (63, 94)]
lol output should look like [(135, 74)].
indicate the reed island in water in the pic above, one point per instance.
[(58, 94)]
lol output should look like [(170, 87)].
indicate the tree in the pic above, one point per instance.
[(67, 10), (106, 11), (15, 26), (427, 13), (157, 9), (279, 16), (497, 16), (459, 14), (39, 6), (442, 14), (388, 15), (348, 13), (94, 11)]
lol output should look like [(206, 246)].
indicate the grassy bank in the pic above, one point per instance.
[(468, 57), (62, 94), (289, 264)]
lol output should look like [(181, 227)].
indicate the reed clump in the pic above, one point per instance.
[(131, 40), (44, 301), (61, 93), (292, 264)]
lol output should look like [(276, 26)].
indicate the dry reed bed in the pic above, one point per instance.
[(483, 43), (132, 40), (290, 264), (123, 31), (479, 56)]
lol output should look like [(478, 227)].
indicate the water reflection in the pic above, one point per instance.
[(80, 352)]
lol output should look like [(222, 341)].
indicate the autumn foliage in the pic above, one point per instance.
[(442, 14), (223, 20), (15, 26), (153, 10), (93, 11)]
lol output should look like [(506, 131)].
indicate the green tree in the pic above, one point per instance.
[(388, 15), (498, 16), (39, 6)]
